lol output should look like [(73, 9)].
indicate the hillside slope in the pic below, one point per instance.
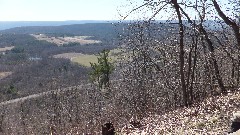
[(212, 116)]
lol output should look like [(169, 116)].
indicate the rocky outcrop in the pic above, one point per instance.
[(235, 126), (108, 129), (235, 133)]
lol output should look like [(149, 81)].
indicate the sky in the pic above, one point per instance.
[(63, 10), (59, 10)]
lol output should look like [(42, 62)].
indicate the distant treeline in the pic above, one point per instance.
[(100, 31)]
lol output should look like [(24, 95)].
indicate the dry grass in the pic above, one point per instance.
[(66, 40), (6, 48), (4, 74)]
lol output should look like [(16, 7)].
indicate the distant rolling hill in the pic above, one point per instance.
[(12, 24), (100, 31), (74, 26)]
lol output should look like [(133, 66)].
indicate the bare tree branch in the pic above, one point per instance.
[(135, 10), (157, 12), (226, 19)]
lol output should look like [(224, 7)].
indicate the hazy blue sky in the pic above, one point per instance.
[(61, 10), (58, 10)]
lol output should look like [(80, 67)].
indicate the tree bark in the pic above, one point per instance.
[(181, 53), (229, 22), (236, 31), (212, 55), (211, 49)]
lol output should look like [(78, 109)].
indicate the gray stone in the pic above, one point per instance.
[(235, 126)]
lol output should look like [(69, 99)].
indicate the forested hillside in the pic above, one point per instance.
[(29, 66), (178, 76), (102, 31)]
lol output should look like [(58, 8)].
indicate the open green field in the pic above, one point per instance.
[(85, 59)]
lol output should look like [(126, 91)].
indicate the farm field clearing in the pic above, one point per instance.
[(6, 48), (60, 41), (85, 59), (4, 74)]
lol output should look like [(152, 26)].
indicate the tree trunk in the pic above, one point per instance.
[(236, 31), (229, 22), (213, 59), (193, 70), (211, 49), (181, 54)]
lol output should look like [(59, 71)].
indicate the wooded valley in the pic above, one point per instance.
[(145, 76)]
